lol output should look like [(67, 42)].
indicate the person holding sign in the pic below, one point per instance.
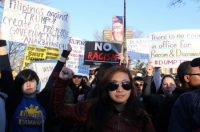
[(26, 111), (117, 108)]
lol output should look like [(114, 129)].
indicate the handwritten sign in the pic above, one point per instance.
[(138, 48), (170, 48), (35, 24), (76, 56), (52, 53), (82, 70), (34, 53), (101, 52)]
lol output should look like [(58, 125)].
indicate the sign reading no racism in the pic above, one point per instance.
[(171, 48), (36, 24), (101, 52)]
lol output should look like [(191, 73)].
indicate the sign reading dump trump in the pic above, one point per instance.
[(170, 48), (101, 52), (36, 24), (138, 48)]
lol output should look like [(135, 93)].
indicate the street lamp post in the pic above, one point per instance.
[(124, 46)]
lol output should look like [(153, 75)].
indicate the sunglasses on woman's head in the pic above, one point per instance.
[(75, 76), (112, 86)]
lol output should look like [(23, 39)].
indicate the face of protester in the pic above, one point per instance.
[(168, 86), (194, 80), (120, 95), (77, 80), (29, 88), (139, 85)]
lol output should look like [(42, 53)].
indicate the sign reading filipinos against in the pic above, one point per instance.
[(36, 24), (170, 48)]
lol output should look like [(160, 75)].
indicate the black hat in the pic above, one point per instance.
[(195, 62)]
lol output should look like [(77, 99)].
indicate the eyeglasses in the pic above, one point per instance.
[(194, 74), (79, 77), (141, 84), (112, 86)]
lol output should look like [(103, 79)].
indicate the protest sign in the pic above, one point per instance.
[(76, 56), (36, 24), (170, 48), (101, 52), (43, 70), (34, 54), (52, 53), (82, 70), (138, 48)]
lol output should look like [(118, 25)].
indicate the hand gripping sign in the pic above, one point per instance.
[(101, 52)]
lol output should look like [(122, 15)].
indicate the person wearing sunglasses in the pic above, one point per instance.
[(78, 86), (116, 108)]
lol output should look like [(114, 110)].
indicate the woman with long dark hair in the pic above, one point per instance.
[(117, 107)]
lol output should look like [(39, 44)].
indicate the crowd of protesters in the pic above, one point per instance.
[(114, 99)]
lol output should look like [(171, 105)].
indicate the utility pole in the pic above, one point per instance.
[(124, 46)]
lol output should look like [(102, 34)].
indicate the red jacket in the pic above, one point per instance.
[(118, 122)]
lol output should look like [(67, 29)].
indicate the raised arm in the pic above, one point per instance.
[(47, 90), (153, 99), (58, 108), (7, 82)]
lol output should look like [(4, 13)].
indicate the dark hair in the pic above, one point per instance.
[(160, 91), (102, 106), (137, 78), (101, 72), (85, 77), (183, 69), (133, 72), (24, 76)]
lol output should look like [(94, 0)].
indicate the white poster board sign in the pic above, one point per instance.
[(76, 56), (43, 70), (82, 70), (138, 48), (36, 24), (170, 48)]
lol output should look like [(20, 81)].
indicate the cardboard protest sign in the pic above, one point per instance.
[(52, 53), (101, 52), (76, 56), (82, 70), (36, 24), (43, 70), (170, 48), (34, 54), (138, 48)]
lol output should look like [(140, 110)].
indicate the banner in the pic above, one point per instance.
[(76, 56), (101, 52), (34, 53), (117, 28), (170, 48), (36, 24), (138, 48)]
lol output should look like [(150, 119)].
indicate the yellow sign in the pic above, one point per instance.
[(52, 53), (34, 53), (13, 73)]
